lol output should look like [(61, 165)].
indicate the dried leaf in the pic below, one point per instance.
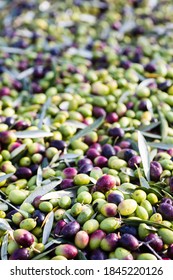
[(32, 134), (88, 129), (145, 157), (48, 227), (41, 191), (4, 247)]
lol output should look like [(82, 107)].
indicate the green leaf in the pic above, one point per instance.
[(145, 157), (4, 225), (88, 129), (33, 134), (4, 248), (18, 151), (81, 256), (69, 216), (151, 135), (143, 182), (160, 145), (148, 127), (128, 171), (127, 188), (76, 124), (24, 213), (136, 222), (5, 177), (58, 194), (39, 176), (43, 112), (40, 191), (48, 227)]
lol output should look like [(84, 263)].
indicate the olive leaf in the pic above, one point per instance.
[(58, 194), (137, 222), (128, 171), (145, 157), (76, 124), (160, 145), (4, 247), (88, 129), (4, 225), (43, 112), (39, 176), (153, 153), (42, 190), (127, 188), (48, 227), (151, 135), (70, 217), (164, 125), (25, 73), (38, 257), (32, 134), (149, 127), (81, 256), (145, 83), (124, 96), (69, 156), (24, 213), (5, 177), (18, 151), (3, 207)]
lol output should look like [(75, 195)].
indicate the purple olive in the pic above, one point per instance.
[(167, 200), (20, 254), (166, 210), (70, 229), (86, 168), (154, 241), (116, 132), (114, 198), (129, 242), (59, 144), (112, 117), (39, 217), (98, 112), (170, 251), (92, 153), (67, 250), (101, 161), (37, 201), (108, 151), (133, 161), (23, 237), (69, 172), (109, 242), (98, 254), (84, 161), (96, 146), (155, 170), (96, 238), (66, 183), (58, 227), (128, 229), (23, 173), (105, 183)]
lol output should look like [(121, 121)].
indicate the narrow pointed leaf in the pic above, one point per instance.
[(58, 194), (149, 127), (81, 255), (39, 177), (151, 135), (145, 157), (33, 134), (24, 213), (160, 145), (153, 153), (40, 191), (43, 112), (136, 222), (5, 177), (128, 171), (164, 125), (48, 227), (18, 150), (70, 217), (4, 225), (4, 247), (88, 129), (76, 124), (124, 96)]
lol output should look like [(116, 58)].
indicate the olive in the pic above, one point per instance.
[(58, 227), (109, 242), (96, 238), (166, 210), (154, 241), (105, 183), (129, 242), (20, 254), (98, 254), (70, 229), (67, 250), (39, 217), (23, 237), (81, 239)]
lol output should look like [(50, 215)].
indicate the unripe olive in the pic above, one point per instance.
[(110, 224), (122, 254), (90, 226), (127, 207)]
